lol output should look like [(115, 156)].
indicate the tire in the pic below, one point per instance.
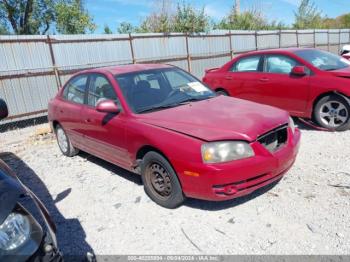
[(222, 93), (64, 143), (167, 192), (333, 113)]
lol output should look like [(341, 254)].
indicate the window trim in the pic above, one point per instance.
[(72, 79), (86, 102), (309, 73), (260, 64)]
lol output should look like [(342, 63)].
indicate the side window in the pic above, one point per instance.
[(75, 89), (100, 89), (247, 64), (280, 64)]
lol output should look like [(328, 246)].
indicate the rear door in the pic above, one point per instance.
[(278, 87), (104, 133), (69, 111), (242, 78)]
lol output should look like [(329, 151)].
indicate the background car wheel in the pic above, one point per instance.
[(64, 143), (333, 112), (222, 93), (160, 181)]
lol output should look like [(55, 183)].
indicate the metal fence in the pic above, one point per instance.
[(32, 68)]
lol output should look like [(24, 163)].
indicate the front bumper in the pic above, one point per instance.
[(218, 182)]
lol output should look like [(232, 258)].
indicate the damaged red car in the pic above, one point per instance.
[(164, 124)]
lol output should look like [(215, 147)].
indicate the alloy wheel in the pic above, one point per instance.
[(334, 114)]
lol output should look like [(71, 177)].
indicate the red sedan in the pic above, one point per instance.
[(162, 123), (308, 83)]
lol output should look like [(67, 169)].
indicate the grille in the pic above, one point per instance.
[(275, 139)]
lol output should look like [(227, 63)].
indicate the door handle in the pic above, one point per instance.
[(88, 120), (228, 78), (264, 79)]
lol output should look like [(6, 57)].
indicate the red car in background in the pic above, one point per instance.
[(162, 123), (308, 83)]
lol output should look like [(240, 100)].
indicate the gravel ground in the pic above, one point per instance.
[(100, 207)]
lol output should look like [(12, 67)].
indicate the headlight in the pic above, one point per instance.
[(14, 232), (291, 124), (218, 152)]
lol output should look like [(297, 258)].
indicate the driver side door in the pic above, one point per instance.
[(104, 133)]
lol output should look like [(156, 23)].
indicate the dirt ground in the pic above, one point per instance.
[(101, 208)]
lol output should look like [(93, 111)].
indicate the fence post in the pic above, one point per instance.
[(297, 34), (315, 45), (328, 44), (279, 38), (132, 49), (256, 40), (53, 60), (189, 65), (339, 41), (230, 41)]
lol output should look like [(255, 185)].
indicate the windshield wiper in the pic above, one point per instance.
[(154, 108)]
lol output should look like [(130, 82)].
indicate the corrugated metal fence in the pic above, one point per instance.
[(32, 68)]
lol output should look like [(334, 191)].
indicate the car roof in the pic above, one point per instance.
[(277, 51), (124, 69)]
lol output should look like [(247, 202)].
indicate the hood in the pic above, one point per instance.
[(10, 191), (219, 118)]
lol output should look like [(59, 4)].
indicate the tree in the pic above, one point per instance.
[(27, 16), (126, 28), (38, 16), (190, 20), (71, 19), (308, 16), (248, 20), (107, 30)]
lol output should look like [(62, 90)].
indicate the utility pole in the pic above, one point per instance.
[(237, 7)]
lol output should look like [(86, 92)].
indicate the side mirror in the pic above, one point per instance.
[(3, 109), (108, 106), (299, 71)]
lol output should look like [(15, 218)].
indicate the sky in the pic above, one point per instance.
[(113, 12)]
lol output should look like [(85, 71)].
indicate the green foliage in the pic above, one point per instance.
[(191, 20), (126, 28), (247, 20), (71, 19), (107, 30), (28, 17), (184, 19), (308, 16)]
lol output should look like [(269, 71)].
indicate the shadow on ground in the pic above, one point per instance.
[(70, 233), (192, 203)]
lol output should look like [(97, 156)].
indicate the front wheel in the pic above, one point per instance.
[(160, 181), (333, 112), (64, 143)]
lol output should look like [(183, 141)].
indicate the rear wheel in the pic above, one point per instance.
[(160, 181), (221, 93), (333, 112), (64, 143)]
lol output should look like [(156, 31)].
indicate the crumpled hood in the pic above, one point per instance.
[(10, 191), (219, 118)]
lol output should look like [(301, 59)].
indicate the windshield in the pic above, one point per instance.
[(161, 88), (323, 60)]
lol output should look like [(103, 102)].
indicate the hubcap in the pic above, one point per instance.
[(62, 140), (334, 114), (160, 181)]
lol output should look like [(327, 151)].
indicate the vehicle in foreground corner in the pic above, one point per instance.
[(22, 238), (309, 83), (162, 123)]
